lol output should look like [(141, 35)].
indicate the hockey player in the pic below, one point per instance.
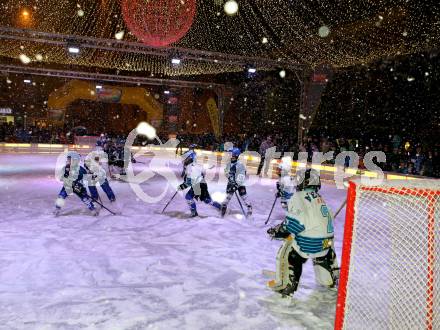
[(116, 158), (235, 171), (307, 232), (194, 179), (73, 176), (285, 183), (97, 174)]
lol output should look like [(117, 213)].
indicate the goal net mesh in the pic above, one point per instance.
[(389, 274)]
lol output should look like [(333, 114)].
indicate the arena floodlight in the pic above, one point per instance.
[(73, 50)]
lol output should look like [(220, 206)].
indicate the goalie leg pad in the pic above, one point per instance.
[(326, 269), (289, 269)]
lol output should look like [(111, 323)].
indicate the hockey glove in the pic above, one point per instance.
[(182, 186), (278, 232), (78, 188), (279, 192), (231, 188)]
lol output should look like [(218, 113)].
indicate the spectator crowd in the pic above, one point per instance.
[(403, 155)]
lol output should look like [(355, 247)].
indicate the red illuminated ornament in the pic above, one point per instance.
[(159, 23)]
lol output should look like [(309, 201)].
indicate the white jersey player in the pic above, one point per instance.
[(194, 178), (307, 232), (97, 174), (285, 184)]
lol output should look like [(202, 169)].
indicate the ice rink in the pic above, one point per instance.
[(142, 269)]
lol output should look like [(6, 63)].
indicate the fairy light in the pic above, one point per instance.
[(24, 59), (348, 37), (119, 35), (25, 14)]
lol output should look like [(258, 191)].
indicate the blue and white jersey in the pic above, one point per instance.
[(92, 163), (72, 175), (311, 224), (194, 175), (236, 173)]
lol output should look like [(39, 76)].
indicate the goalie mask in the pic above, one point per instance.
[(308, 179)]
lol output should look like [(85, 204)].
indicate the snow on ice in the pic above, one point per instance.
[(142, 269)]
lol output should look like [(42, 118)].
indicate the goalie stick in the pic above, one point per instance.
[(340, 209)]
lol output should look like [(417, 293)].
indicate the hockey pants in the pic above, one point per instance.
[(230, 190), (107, 189), (204, 197), (82, 195)]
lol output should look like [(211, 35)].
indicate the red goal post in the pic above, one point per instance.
[(390, 274)]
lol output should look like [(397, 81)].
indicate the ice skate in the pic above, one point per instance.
[(249, 212), (94, 212), (223, 210)]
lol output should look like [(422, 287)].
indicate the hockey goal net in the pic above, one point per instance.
[(390, 274)]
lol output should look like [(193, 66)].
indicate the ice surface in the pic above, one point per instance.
[(143, 270)]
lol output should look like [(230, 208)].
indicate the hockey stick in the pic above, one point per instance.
[(170, 201), (100, 204), (271, 210), (241, 206), (340, 209), (343, 204)]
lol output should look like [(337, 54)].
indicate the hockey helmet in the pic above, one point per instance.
[(189, 157), (308, 178), (284, 166), (73, 155), (235, 153), (192, 146)]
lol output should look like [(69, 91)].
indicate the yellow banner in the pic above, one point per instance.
[(213, 112)]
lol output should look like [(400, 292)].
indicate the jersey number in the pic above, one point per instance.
[(326, 214)]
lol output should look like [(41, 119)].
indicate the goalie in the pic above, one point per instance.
[(307, 232)]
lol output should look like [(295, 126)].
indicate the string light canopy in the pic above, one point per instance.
[(339, 33)]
